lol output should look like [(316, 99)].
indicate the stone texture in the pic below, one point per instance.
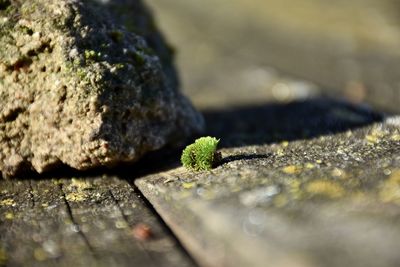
[(79, 85)]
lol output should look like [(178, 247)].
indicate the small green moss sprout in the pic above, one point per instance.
[(92, 55), (116, 36), (139, 59), (201, 155)]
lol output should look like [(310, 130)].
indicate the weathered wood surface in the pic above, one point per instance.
[(332, 200), (349, 47), (86, 221)]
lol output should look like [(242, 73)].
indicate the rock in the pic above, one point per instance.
[(81, 86)]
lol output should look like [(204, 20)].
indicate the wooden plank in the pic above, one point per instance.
[(332, 200), (113, 210), (37, 228), (85, 221)]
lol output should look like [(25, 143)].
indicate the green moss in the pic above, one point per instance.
[(81, 73), (139, 59), (77, 62), (92, 55), (69, 66), (201, 155), (147, 51), (119, 66), (117, 36)]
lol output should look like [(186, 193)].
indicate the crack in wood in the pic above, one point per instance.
[(123, 215), (154, 212), (45, 227), (31, 195), (76, 226)]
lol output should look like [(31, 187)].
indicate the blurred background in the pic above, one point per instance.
[(258, 51)]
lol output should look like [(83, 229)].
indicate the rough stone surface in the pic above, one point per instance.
[(80, 86)]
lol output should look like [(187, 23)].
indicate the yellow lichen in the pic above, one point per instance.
[(76, 196), (280, 200), (292, 169), (338, 172), (79, 188), (395, 137), (325, 188), (374, 136), (284, 143), (390, 189), (309, 165), (57, 182), (294, 189), (371, 139), (80, 184), (279, 152), (7, 202), (9, 216), (188, 185), (40, 254)]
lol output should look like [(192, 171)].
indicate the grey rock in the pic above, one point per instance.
[(83, 84)]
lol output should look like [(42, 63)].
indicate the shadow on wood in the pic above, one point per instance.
[(269, 123)]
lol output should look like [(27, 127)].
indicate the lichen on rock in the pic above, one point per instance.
[(77, 87)]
